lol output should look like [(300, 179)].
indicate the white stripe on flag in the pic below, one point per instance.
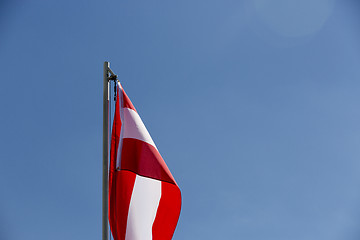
[(144, 203), (135, 128)]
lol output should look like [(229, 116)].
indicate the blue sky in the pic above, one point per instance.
[(253, 105)]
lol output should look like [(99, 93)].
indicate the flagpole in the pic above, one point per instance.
[(105, 184)]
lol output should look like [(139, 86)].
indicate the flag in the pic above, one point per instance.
[(144, 199)]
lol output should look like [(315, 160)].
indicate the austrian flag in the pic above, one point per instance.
[(144, 199)]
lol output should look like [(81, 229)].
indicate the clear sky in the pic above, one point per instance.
[(253, 104)]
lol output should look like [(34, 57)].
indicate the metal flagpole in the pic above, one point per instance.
[(105, 184), (108, 76)]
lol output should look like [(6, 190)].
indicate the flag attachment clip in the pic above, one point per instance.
[(114, 78)]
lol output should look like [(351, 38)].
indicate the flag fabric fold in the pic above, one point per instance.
[(144, 198)]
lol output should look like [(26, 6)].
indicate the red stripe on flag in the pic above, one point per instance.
[(126, 101), (145, 160), (115, 137), (167, 213), (122, 188)]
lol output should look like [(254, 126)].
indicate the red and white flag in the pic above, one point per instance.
[(144, 199)]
